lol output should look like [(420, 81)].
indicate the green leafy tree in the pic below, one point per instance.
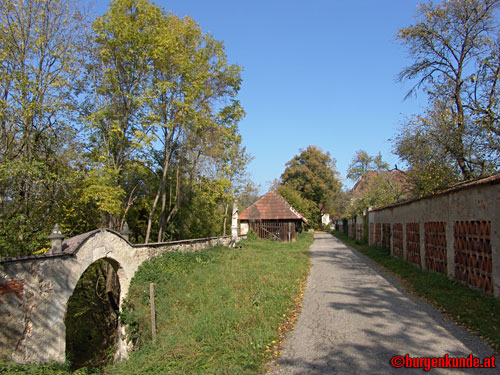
[(39, 49), (191, 81), (159, 146), (376, 185), (454, 48), (382, 189), (247, 194), (312, 173), (162, 95), (304, 206), (118, 72), (420, 144), (363, 163)]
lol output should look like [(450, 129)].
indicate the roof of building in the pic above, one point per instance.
[(271, 206), (397, 177)]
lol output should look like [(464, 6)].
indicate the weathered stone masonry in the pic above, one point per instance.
[(34, 291), (456, 232)]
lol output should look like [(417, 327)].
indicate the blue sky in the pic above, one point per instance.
[(321, 72)]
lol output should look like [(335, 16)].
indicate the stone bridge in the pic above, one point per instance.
[(34, 291)]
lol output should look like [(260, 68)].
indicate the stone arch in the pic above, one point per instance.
[(91, 333), (34, 324), (34, 290), (113, 248)]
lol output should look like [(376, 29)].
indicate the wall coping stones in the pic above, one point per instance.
[(493, 180), (71, 245)]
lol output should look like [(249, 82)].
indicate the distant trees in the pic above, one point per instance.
[(132, 119), (311, 182), (455, 51)]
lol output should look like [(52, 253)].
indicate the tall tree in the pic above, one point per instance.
[(454, 47), (191, 84), (163, 95), (118, 74), (422, 143), (363, 163), (312, 173), (39, 47)]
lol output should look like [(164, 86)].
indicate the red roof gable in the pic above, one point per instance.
[(271, 206), (398, 178)]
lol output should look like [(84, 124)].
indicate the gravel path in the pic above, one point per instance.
[(354, 320)]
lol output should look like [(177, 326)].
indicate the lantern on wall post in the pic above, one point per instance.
[(125, 232), (56, 238)]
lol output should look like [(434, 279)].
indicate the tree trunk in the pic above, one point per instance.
[(162, 212), (150, 216), (157, 197)]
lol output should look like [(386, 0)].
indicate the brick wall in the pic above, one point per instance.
[(15, 287), (397, 240)]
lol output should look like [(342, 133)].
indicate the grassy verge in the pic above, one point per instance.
[(470, 308), (219, 311)]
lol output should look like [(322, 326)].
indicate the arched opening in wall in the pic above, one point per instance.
[(92, 316)]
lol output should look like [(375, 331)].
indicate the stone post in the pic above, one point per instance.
[(234, 222), (125, 232), (56, 238)]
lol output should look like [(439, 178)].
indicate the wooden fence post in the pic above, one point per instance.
[(153, 313)]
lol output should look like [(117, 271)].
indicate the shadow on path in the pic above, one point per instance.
[(354, 321)]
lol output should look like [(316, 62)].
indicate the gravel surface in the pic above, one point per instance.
[(355, 319)]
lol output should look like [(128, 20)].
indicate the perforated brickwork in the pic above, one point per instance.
[(359, 232), (378, 235), (397, 239), (352, 230), (386, 236), (435, 246), (472, 246), (413, 243)]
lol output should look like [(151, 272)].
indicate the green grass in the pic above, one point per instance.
[(470, 308), (218, 311)]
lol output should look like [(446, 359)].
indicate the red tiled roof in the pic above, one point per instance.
[(271, 206), (397, 177)]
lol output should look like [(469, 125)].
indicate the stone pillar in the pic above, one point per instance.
[(450, 249), (405, 250), (125, 232), (56, 238), (234, 222), (495, 256)]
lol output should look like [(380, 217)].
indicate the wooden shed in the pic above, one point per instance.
[(272, 217)]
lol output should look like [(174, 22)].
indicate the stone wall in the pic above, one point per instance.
[(456, 232), (34, 291)]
